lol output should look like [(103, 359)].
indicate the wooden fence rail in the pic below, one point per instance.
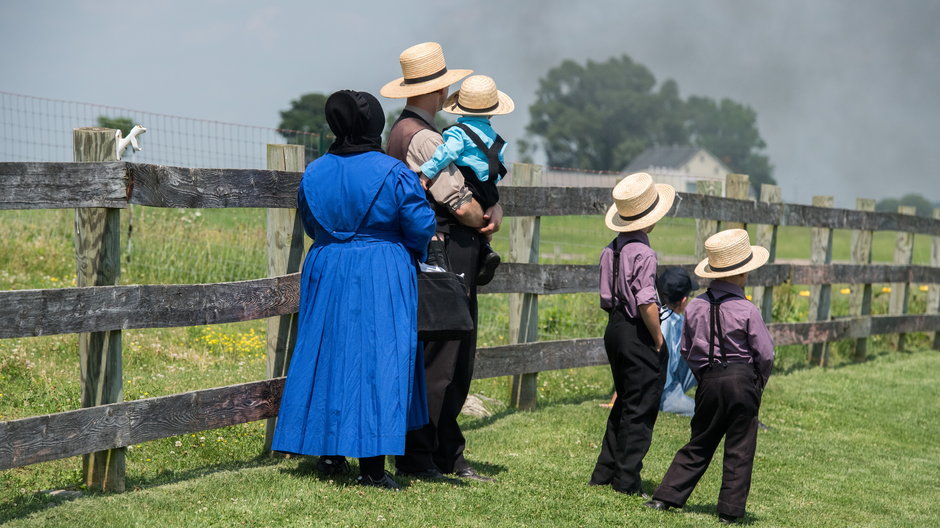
[(116, 185)]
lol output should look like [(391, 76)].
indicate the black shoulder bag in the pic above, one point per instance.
[(443, 306)]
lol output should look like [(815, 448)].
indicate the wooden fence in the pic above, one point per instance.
[(99, 309)]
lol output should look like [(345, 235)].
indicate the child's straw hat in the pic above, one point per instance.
[(639, 203), (423, 71), (730, 253), (478, 96)]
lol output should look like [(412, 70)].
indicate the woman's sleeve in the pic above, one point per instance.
[(306, 215), (417, 217), (444, 155)]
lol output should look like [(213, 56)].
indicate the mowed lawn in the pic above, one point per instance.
[(853, 446)]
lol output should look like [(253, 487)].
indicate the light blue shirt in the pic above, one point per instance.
[(459, 149), (679, 377)]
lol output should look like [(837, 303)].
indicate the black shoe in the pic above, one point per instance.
[(656, 505), (727, 519), (329, 466), (471, 474), (386, 482), (437, 256), (488, 264), (429, 475), (637, 492)]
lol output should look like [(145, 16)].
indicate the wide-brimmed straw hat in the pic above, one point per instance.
[(639, 203), (423, 71), (478, 96), (730, 253)]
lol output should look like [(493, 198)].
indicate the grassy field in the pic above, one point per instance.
[(872, 427)]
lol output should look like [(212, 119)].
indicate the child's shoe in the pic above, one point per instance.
[(489, 261)]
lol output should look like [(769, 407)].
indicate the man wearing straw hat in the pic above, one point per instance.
[(729, 349), (438, 447)]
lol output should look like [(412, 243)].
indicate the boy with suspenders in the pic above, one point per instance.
[(633, 338), (729, 349)]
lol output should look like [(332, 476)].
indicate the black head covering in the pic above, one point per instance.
[(674, 284), (357, 120)]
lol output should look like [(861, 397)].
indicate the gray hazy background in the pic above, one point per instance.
[(847, 92)]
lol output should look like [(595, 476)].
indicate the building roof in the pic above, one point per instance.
[(670, 157)]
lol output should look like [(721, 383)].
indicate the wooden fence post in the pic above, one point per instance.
[(763, 296), (861, 294), (285, 243), (98, 263), (820, 294), (524, 307), (705, 228), (933, 294), (737, 186), (903, 256)]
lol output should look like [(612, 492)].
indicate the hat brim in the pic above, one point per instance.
[(759, 257), (397, 89), (667, 195), (504, 105)]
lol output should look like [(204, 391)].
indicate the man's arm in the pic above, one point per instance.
[(448, 188)]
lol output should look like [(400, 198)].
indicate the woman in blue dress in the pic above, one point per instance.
[(356, 378)]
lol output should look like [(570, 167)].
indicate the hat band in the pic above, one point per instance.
[(733, 266), (468, 109), (642, 214), (426, 78)]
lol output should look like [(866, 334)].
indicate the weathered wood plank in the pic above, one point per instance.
[(704, 227), (62, 185), (98, 263), (862, 294), (766, 236), (25, 313), (565, 201), (820, 299), (933, 294), (285, 243), (162, 186), (524, 237), (54, 436), (903, 256), (737, 186), (538, 357)]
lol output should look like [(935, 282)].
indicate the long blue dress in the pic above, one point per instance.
[(356, 378)]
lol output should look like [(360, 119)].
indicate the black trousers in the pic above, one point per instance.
[(639, 372), (726, 405), (448, 370)]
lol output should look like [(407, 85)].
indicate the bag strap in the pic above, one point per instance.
[(491, 152), (714, 327), (616, 269)]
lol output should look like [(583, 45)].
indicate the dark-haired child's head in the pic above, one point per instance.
[(675, 285)]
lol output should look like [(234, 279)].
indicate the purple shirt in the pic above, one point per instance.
[(746, 338), (637, 280)]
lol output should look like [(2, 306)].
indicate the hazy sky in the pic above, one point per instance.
[(847, 92)]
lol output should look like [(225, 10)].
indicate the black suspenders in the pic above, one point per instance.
[(716, 337), (616, 270), (492, 152)]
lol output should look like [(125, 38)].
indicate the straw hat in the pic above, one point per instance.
[(730, 253), (639, 203), (478, 96), (423, 71)]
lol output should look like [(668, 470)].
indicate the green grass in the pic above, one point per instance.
[(854, 446), (851, 446)]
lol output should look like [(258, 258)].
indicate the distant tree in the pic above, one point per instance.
[(306, 116), (729, 131), (601, 115), (923, 205), (124, 124)]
